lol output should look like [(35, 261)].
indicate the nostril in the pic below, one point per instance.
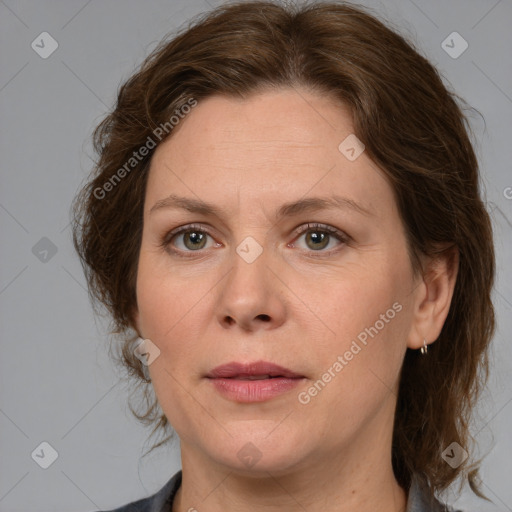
[(229, 320), (265, 318)]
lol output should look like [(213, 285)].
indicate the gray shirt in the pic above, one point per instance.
[(417, 501)]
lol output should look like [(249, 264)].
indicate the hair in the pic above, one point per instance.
[(413, 127)]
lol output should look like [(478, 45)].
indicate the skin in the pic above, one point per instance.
[(296, 305)]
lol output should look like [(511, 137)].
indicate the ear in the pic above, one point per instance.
[(433, 297)]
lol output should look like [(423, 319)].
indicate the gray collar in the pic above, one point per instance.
[(420, 500)]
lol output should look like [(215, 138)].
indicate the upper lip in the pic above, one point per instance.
[(258, 368)]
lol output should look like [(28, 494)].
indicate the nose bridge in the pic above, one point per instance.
[(248, 278), (250, 292)]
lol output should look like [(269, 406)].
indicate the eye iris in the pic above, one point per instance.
[(317, 237), (198, 240)]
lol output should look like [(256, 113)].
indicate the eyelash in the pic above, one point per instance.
[(311, 226)]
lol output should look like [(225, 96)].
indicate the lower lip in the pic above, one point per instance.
[(247, 391)]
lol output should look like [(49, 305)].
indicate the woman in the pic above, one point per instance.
[(286, 226)]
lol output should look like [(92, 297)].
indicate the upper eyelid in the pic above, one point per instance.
[(316, 225)]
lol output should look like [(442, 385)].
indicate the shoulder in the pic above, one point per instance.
[(421, 500), (159, 502)]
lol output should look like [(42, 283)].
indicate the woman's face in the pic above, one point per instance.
[(331, 304)]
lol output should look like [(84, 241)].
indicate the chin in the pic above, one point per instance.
[(260, 450)]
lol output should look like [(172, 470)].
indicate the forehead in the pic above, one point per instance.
[(270, 144), (276, 116)]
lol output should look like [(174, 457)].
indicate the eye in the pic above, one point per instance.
[(193, 238), (189, 238), (318, 237)]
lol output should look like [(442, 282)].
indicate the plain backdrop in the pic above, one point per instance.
[(57, 384)]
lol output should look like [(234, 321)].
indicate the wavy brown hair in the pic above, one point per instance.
[(413, 127)]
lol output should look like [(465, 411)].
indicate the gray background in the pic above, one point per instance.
[(56, 381)]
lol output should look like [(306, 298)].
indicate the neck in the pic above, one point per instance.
[(313, 492), (360, 478)]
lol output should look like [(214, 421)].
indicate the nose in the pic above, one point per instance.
[(251, 297)]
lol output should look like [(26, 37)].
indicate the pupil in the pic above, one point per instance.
[(195, 238), (318, 238)]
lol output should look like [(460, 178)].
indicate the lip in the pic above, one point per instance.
[(232, 381), (236, 370)]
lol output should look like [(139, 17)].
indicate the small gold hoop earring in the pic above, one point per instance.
[(424, 349)]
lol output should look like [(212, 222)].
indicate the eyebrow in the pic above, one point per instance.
[(293, 208)]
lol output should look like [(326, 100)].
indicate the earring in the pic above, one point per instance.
[(424, 349)]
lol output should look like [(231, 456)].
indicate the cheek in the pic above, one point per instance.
[(167, 305), (367, 320), (165, 299), (173, 310), (356, 301)]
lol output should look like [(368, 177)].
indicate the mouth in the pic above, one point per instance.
[(253, 382), (259, 370)]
